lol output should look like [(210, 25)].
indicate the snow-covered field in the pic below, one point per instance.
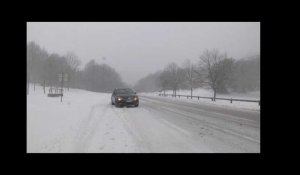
[(54, 126), (86, 122), (208, 93)]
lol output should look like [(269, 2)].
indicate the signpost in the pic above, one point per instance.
[(62, 77), (44, 86), (66, 79)]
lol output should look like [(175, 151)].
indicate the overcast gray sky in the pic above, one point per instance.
[(136, 49)]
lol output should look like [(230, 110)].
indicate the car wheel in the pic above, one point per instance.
[(112, 103), (136, 105)]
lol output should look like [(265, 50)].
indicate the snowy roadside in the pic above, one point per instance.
[(52, 126), (220, 103)]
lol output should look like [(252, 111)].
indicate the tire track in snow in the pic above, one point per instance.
[(213, 126), (141, 146), (216, 115), (213, 122), (153, 134), (230, 137), (88, 127)]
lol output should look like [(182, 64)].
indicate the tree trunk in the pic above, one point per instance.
[(215, 93)]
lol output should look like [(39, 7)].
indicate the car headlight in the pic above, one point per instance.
[(135, 98), (119, 98)]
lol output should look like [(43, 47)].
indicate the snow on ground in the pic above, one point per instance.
[(49, 120), (86, 122), (255, 95), (82, 122)]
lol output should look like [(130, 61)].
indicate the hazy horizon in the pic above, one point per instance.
[(136, 49)]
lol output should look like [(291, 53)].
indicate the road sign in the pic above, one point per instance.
[(63, 77), (66, 77)]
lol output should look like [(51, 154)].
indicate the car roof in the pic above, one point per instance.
[(122, 88), (118, 89)]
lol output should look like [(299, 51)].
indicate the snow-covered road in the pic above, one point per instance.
[(86, 122)]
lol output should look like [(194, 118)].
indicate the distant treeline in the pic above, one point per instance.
[(44, 67), (214, 70)]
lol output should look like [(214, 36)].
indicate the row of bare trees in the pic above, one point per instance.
[(43, 68), (214, 70)]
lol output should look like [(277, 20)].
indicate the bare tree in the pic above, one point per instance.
[(189, 74), (211, 61), (174, 76), (35, 57), (164, 80), (73, 61)]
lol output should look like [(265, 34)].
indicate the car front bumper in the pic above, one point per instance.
[(127, 103)]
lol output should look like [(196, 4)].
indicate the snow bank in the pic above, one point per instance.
[(209, 93)]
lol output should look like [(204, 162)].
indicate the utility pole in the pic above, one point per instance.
[(44, 86)]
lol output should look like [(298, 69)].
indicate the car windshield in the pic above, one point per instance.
[(124, 91)]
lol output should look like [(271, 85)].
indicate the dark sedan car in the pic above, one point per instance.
[(124, 97)]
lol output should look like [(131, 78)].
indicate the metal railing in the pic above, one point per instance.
[(212, 98)]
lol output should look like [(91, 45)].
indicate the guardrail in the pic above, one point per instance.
[(212, 99)]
